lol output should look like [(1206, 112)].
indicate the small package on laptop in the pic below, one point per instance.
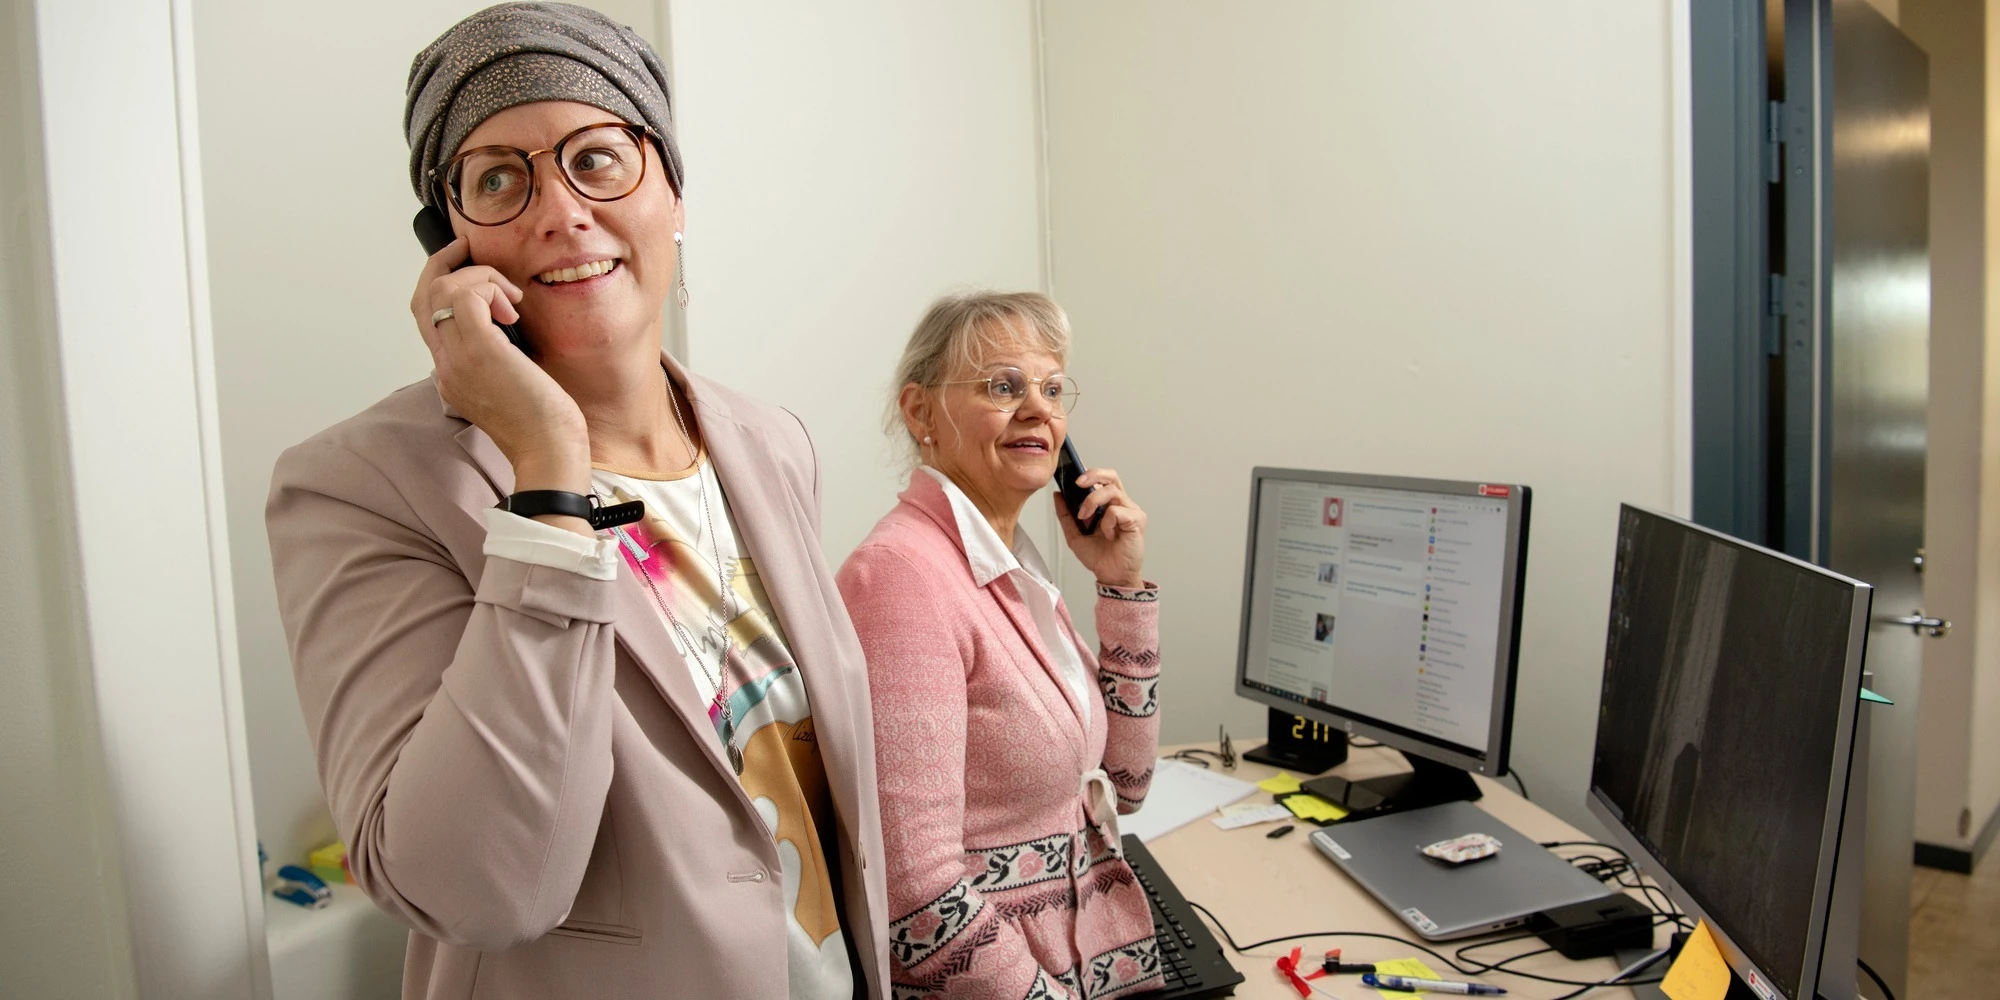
[(1463, 850)]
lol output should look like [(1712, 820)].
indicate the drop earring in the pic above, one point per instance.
[(680, 271)]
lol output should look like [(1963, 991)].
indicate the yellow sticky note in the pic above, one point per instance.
[(1700, 973), (1279, 784), (1313, 807), (1411, 967)]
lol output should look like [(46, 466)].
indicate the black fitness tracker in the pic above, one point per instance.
[(532, 503)]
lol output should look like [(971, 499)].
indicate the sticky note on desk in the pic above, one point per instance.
[(1312, 807), (1700, 973), (1279, 784), (1414, 968)]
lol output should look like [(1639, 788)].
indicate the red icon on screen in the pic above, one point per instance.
[(1493, 491), (1333, 512)]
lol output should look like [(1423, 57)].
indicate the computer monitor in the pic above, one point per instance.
[(1726, 741), (1389, 608)]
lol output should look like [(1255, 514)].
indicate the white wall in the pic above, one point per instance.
[(1421, 238), (311, 264), (846, 164), (64, 921)]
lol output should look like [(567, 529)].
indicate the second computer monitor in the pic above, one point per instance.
[(1725, 752), (1387, 607)]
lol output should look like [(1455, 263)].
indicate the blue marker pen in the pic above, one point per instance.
[(1409, 984)]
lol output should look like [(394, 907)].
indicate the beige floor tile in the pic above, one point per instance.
[(1922, 881), (1955, 934)]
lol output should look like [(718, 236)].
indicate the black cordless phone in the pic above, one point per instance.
[(1068, 467), (434, 232)]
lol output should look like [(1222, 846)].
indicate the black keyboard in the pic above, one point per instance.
[(1193, 961)]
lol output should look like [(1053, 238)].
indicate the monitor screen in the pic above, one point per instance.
[(1389, 605), (1718, 731)]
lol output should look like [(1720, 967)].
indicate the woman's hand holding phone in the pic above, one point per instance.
[(1116, 552), (492, 383)]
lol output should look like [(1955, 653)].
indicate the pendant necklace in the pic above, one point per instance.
[(715, 632)]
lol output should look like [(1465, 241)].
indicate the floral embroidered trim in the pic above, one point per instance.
[(1071, 981), (998, 869), (1095, 852), (925, 932), (1137, 697), (1145, 595), (1123, 968), (1103, 880), (1042, 988), (1020, 906), (1137, 659), (1122, 779)]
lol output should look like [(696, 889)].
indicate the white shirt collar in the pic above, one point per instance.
[(989, 557)]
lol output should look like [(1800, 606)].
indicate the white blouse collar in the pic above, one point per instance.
[(988, 556)]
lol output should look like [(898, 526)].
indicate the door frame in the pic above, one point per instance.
[(127, 258)]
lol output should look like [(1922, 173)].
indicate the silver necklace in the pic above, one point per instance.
[(715, 634)]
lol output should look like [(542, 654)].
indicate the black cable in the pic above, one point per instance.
[(1479, 969), (1243, 948), (1500, 966), (1586, 843), (1195, 755), (1887, 993), (1655, 897), (1516, 775), (1615, 980)]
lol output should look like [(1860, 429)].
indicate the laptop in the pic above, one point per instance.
[(1440, 902)]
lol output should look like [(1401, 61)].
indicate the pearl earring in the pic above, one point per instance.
[(927, 439)]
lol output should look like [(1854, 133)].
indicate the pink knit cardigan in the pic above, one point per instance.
[(1004, 887)]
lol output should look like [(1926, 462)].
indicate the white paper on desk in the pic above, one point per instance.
[(1251, 815), (1181, 793)]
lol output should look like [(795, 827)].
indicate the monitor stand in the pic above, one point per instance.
[(1426, 783)]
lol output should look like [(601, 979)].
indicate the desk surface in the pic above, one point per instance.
[(1261, 888)]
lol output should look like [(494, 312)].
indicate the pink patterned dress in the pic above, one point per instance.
[(997, 782)]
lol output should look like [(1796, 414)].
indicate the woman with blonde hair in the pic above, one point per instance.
[(1005, 748)]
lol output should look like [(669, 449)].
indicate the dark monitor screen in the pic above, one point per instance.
[(1720, 725)]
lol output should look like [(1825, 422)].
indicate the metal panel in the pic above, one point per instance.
[(1862, 367), (1730, 185)]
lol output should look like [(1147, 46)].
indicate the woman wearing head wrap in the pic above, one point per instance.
[(587, 705)]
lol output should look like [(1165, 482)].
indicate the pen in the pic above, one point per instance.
[(1279, 832), (1409, 984)]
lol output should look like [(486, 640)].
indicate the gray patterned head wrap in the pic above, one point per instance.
[(518, 53)]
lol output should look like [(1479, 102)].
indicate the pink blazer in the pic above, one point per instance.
[(1001, 884), (517, 756)]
